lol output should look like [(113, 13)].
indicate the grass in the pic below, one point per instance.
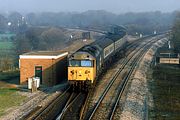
[(9, 77), (6, 36), (9, 98), (7, 54), (6, 42), (165, 90), (6, 45), (5, 76)]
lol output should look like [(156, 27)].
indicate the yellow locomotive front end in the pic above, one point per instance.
[(81, 70)]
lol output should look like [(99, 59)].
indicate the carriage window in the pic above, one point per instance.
[(86, 63)]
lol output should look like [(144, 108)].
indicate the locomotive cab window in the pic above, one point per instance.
[(81, 63), (75, 63), (86, 63)]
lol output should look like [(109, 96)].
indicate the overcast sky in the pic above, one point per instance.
[(115, 6)]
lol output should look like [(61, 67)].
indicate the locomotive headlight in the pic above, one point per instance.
[(72, 72), (80, 72), (87, 71)]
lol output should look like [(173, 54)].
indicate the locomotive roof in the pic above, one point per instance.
[(94, 50), (116, 37), (97, 46), (102, 42)]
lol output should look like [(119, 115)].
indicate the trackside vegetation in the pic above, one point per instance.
[(9, 97), (165, 88)]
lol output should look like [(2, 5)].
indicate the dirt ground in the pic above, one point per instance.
[(7, 85)]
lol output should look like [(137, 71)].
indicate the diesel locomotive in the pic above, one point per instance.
[(86, 64)]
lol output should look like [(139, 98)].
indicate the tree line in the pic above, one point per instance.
[(144, 22), (38, 38), (175, 34), (45, 31)]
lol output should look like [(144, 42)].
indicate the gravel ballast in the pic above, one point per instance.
[(136, 103)]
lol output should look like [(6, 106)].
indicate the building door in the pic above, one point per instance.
[(38, 72)]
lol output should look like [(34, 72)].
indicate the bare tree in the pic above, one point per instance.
[(176, 33)]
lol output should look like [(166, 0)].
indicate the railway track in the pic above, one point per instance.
[(122, 86), (117, 87), (73, 106), (49, 111)]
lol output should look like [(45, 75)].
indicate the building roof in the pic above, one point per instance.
[(44, 55), (168, 55)]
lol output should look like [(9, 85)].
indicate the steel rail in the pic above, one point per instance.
[(40, 114), (126, 80), (68, 105), (110, 84), (124, 83)]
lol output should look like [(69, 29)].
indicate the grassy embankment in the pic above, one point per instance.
[(165, 89), (7, 53), (6, 45), (5, 41), (9, 96), (6, 48)]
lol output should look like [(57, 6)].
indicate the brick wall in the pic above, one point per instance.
[(49, 69)]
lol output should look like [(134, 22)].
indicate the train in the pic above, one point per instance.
[(87, 63)]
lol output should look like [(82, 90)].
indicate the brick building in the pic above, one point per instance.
[(50, 66)]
